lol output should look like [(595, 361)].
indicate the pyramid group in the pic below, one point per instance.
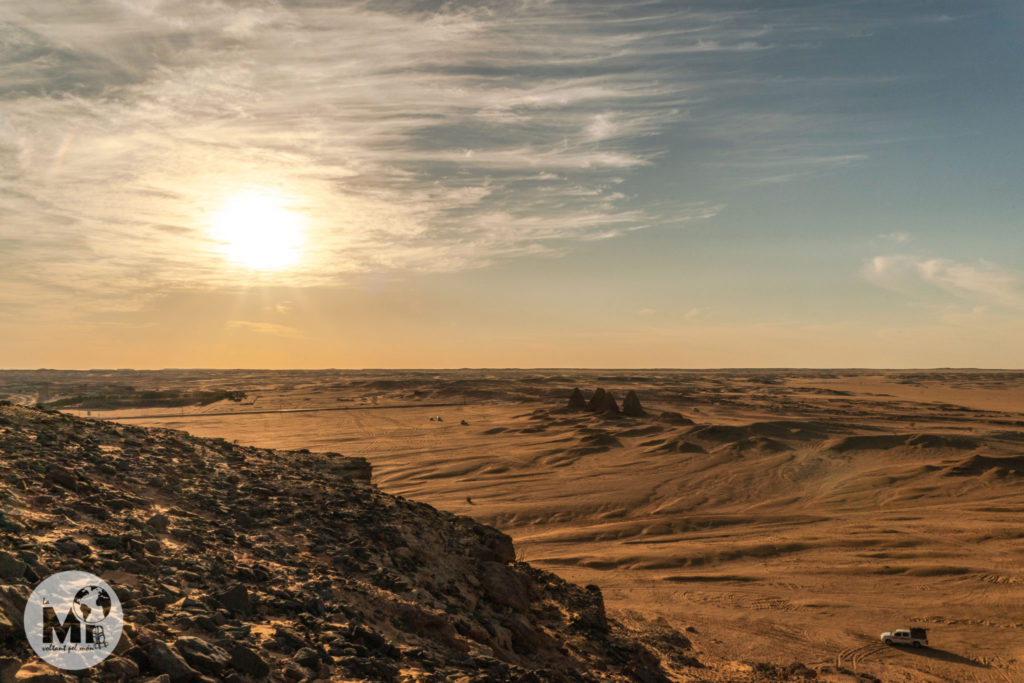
[(603, 403)]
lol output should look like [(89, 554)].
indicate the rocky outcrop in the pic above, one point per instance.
[(672, 417), (237, 563)]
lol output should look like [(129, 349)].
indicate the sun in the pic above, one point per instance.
[(256, 231)]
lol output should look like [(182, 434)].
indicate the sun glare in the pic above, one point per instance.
[(257, 232)]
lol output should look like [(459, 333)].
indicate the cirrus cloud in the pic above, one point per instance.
[(981, 282), (417, 136)]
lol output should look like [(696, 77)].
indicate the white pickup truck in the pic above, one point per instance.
[(917, 637)]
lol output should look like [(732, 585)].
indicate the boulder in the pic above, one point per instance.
[(493, 545), (236, 599), (12, 612), (11, 568), (505, 587), (307, 657), (293, 671), (591, 614), (69, 545), (39, 672), (8, 667), (202, 655), (246, 661), (119, 669), (63, 477), (288, 639), (165, 660), (159, 523)]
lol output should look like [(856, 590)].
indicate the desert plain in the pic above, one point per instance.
[(771, 515)]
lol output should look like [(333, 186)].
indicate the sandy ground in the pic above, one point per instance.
[(802, 513)]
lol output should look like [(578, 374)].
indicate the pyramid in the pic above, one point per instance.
[(607, 406), (631, 406), (595, 400), (577, 401)]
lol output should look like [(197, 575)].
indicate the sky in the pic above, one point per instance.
[(516, 183)]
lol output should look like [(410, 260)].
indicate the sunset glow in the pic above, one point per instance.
[(257, 232), (694, 184)]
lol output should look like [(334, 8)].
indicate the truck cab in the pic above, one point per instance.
[(916, 637)]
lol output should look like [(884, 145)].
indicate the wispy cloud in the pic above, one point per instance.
[(272, 329), (982, 282), (896, 237), (409, 138)]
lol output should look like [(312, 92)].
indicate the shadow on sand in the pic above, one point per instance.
[(942, 655)]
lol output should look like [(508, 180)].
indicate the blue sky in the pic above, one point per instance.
[(524, 183)]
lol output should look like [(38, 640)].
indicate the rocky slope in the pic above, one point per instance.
[(237, 563)]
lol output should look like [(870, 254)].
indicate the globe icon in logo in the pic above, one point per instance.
[(73, 620), (91, 605)]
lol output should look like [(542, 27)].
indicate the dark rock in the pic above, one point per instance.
[(246, 661), (12, 611), (307, 657), (11, 568), (202, 655), (39, 672), (8, 667), (351, 468), (527, 639), (62, 476), (288, 639), (159, 522), (641, 665), (126, 643), (119, 669), (236, 599), (592, 613), (373, 669), (97, 511), (72, 546), (164, 660), (294, 671), (631, 405), (673, 417), (494, 546), (505, 586), (9, 523)]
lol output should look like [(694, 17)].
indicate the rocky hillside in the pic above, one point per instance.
[(236, 563)]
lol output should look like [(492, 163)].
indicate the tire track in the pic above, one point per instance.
[(856, 654)]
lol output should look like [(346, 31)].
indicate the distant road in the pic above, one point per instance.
[(266, 412)]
